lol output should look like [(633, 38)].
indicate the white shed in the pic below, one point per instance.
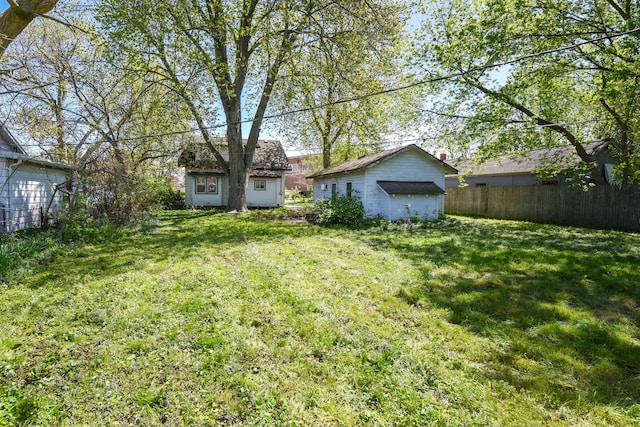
[(29, 188), (396, 184)]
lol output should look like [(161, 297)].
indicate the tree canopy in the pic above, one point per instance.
[(329, 82), (224, 56), (569, 75)]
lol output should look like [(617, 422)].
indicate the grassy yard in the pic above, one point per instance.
[(211, 319)]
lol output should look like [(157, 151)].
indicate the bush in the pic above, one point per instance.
[(168, 198), (339, 210)]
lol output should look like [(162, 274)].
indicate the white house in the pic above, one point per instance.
[(396, 184), (29, 188), (206, 184)]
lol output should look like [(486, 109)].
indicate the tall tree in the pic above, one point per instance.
[(572, 74), (331, 81), (224, 53), (20, 13), (75, 107)]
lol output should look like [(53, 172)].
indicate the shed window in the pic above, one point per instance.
[(207, 184), (260, 184), (334, 189), (349, 188)]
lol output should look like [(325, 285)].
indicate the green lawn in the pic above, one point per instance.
[(211, 319)]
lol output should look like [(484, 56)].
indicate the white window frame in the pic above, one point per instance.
[(207, 180), (259, 185)]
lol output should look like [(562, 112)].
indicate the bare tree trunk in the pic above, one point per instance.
[(18, 16), (238, 169)]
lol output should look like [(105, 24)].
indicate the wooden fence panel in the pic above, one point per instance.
[(603, 207)]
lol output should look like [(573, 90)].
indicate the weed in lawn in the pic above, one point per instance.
[(208, 318)]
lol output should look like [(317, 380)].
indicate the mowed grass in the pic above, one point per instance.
[(211, 319)]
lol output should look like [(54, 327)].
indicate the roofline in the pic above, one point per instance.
[(11, 140), (489, 174), (27, 159), (393, 153)]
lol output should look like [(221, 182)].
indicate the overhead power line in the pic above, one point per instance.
[(423, 82)]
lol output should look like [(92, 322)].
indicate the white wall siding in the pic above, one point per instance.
[(31, 188), (406, 166), (204, 199), (4, 194), (264, 198), (357, 181), (404, 206), (272, 196)]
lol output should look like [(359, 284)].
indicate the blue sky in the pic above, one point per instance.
[(3, 5)]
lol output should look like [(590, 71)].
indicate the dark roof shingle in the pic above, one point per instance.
[(269, 156), (410, 187), (364, 162), (562, 157)]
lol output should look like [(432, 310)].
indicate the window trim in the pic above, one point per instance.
[(207, 179), (255, 185), (349, 188)]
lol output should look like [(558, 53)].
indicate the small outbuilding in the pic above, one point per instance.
[(206, 183), (397, 184), (30, 189)]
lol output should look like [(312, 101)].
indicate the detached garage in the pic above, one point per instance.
[(29, 188), (397, 184)]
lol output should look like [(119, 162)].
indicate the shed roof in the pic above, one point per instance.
[(269, 156), (518, 164), (410, 187), (11, 149), (364, 162)]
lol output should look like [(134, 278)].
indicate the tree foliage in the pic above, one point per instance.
[(72, 106), (226, 56), (330, 81), (569, 75)]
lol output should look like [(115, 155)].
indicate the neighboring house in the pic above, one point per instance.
[(526, 169), (207, 185), (30, 189), (396, 184), (300, 166)]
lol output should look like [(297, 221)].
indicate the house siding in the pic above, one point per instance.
[(30, 189), (272, 196), (357, 181), (494, 180), (4, 194), (405, 166)]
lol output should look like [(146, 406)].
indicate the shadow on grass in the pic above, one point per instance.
[(178, 235), (560, 304)]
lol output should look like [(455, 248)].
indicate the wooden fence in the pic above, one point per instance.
[(602, 207)]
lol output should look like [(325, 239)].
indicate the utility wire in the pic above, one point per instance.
[(398, 88), (412, 85)]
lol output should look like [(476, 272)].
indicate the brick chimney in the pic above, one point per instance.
[(443, 156)]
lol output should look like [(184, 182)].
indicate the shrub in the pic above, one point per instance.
[(339, 210), (168, 198)]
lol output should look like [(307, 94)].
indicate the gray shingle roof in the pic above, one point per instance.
[(364, 162), (562, 157), (269, 156), (410, 187)]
